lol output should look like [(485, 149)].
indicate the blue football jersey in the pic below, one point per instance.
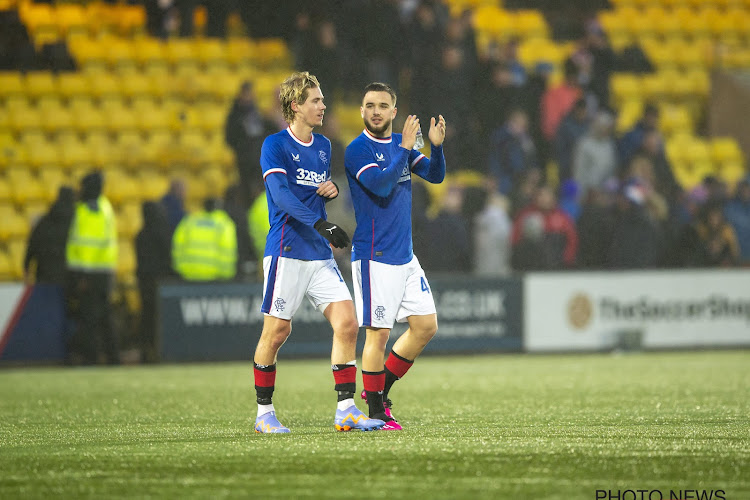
[(305, 165), (382, 204)]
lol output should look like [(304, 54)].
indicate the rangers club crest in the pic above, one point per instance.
[(323, 156), (279, 304), (380, 312)]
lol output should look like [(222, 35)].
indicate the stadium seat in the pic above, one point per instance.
[(5, 191), (136, 84), (101, 149), (11, 150), (87, 118), (121, 187), (52, 179), (211, 51), (272, 53), (119, 52), (88, 52), (126, 260), (103, 85), (38, 17), (17, 249), (71, 85), (240, 51), (14, 225), (56, 118), (25, 119), (70, 17), (531, 24), (726, 150), (74, 153), (11, 84), (6, 267), (153, 185), (39, 83), (27, 189)]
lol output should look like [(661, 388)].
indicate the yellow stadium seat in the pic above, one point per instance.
[(273, 53), (26, 119), (11, 151), (491, 19), (194, 148), (726, 150), (126, 260), (70, 17), (131, 18), (531, 24), (16, 246), (700, 82), (56, 118), (180, 50), (135, 85), (159, 148), (88, 118), (240, 51), (157, 118), (153, 185), (39, 83), (52, 179), (5, 191), (38, 17), (100, 147), (212, 117), (7, 212), (625, 87), (675, 119), (75, 154), (11, 83), (120, 119), (129, 145), (6, 267), (33, 211), (103, 85), (88, 51), (43, 155), (211, 50), (27, 189), (119, 52), (70, 85), (147, 49), (121, 188)]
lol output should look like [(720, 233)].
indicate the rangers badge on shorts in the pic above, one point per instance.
[(279, 304), (380, 312)]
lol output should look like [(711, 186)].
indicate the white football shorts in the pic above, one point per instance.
[(384, 293), (287, 281)]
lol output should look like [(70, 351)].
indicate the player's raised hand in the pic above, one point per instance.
[(409, 134), (437, 130), (328, 190)]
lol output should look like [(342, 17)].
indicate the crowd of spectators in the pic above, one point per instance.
[(609, 201)]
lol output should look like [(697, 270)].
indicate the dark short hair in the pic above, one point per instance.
[(381, 87)]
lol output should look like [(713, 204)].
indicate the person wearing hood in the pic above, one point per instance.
[(46, 246), (91, 258), (152, 249)]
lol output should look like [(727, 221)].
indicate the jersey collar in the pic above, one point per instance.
[(298, 140), (378, 139)]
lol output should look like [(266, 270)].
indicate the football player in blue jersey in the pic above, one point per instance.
[(298, 261), (389, 283)]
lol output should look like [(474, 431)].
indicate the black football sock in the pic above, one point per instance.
[(390, 379)]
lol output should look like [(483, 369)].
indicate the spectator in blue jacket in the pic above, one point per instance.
[(512, 151), (632, 141), (571, 129)]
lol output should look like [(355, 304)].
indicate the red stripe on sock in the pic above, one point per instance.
[(346, 376), (373, 382), (397, 366), (264, 379)]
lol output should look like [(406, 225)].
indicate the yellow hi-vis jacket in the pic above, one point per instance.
[(204, 246), (92, 239), (258, 225)]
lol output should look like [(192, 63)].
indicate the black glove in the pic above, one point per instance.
[(333, 233)]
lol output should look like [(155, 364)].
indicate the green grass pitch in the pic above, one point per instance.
[(488, 426)]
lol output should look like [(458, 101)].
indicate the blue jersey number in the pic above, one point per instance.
[(425, 288)]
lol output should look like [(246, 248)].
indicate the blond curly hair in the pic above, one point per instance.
[(294, 89)]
